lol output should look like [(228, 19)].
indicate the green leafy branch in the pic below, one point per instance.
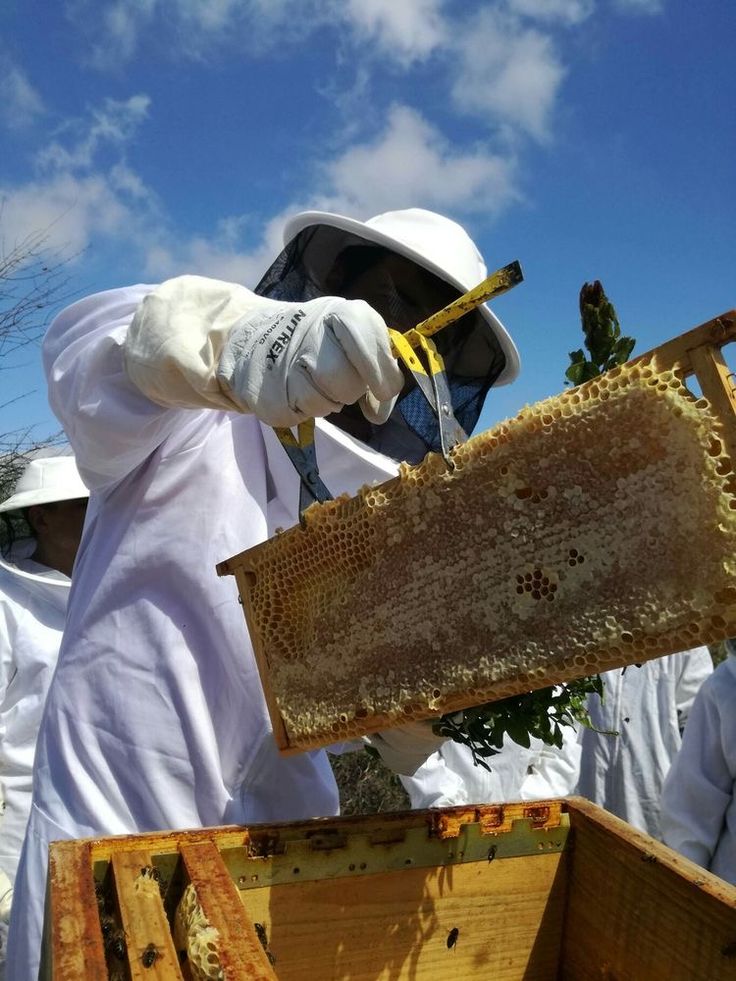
[(603, 339), (541, 714)]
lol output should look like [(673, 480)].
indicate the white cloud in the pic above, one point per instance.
[(404, 31), (112, 123), (407, 30), (126, 181), (220, 255), (501, 62), (20, 103), (69, 210), (71, 198), (566, 11), (204, 257), (508, 73), (411, 163), (640, 6)]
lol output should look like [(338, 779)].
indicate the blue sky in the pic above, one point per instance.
[(590, 139)]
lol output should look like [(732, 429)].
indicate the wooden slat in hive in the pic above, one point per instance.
[(150, 947), (73, 945), (218, 934), (593, 530)]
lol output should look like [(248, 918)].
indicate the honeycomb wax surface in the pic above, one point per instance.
[(193, 934), (593, 530)]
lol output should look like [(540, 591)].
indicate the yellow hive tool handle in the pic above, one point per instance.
[(499, 282)]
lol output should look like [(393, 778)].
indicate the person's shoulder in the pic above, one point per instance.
[(725, 673), (720, 686), (696, 658)]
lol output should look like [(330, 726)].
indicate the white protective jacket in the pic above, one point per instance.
[(33, 602), (450, 777), (698, 801), (156, 718), (648, 707)]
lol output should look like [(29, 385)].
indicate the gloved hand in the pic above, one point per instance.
[(293, 361), (6, 897), (405, 748)]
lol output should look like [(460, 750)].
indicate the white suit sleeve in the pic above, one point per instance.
[(699, 785), (434, 784), (555, 771), (121, 366), (694, 667), (112, 426)]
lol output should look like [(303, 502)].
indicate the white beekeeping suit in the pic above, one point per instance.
[(33, 599), (450, 777), (156, 718), (647, 706), (698, 801)]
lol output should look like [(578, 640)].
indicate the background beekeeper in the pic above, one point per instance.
[(156, 717), (698, 805), (451, 777), (648, 707), (47, 508)]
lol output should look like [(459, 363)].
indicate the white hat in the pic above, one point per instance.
[(44, 480), (434, 242)]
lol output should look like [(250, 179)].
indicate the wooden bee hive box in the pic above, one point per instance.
[(553, 889), (593, 530)]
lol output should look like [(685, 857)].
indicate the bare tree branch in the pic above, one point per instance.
[(34, 281)]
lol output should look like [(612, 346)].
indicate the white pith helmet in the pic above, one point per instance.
[(434, 242), (45, 480)]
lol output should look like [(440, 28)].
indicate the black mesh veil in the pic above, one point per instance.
[(326, 261)]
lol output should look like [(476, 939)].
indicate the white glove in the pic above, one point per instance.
[(6, 897), (407, 747), (294, 361)]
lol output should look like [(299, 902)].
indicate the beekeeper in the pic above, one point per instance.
[(48, 503), (156, 718), (639, 723), (698, 800), (450, 776)]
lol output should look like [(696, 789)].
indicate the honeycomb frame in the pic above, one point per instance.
[(593, 530)]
